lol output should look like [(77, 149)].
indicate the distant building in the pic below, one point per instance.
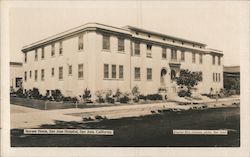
[(99, 57), (231, 76), (16, 75)]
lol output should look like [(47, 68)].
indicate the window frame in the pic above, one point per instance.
[(36, 75), (121, 45), (70, 70), (60, 48), (52, 50), (137, 73), (52, 72), (106, 42), (121, 71), (42, 74), (60, 73), (149, 74), (164, 51), (182, 55), (106, 71), (80, 42), (137, 50), (42, 53), (80, 71), (173, 54), (113, 71), (36, 55), (149, 50), (193, 57), (201, 58)]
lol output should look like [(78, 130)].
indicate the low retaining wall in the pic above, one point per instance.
[(42, 104)]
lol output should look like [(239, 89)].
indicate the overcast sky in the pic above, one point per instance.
[(216, 24)]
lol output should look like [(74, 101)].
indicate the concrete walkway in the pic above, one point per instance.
[(23, 117)]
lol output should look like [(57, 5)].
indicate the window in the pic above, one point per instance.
[(173, 54), (218, 77), (113, 71), (35, 75), (42, 74), (36, 56), (173, 75), (106, 42), (213, 60), (182, 55), (52, 72), (25, 76), (53, 50), (30, 74), (201, 76), (137, 48), (80, 71), (120, 71), (219, 60), (60, 73), (60, 48), (214, 77), (120, 44), (149, 74), (25, 57), (106, 71), (42, 53), (70, 69), (201, 59), (164, 53), (80, 42), (193, 57), (149, 50), (137, 73)]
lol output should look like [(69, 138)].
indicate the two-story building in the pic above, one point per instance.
[(99, 57)]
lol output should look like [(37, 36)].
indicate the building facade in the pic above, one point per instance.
[(16, 75), (100, 57)]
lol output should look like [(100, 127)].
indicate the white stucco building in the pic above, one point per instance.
[(16, 75), (100, 57)]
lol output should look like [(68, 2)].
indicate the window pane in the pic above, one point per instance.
[(105, 42), (60, 48), (137, 73), (35, 75), (193, 57), (137, 48), (80, 42), (113, 71), (149, 74), (70, 69), (120, 71), (52, 72), (120, 44), (149, 52), (106, 71), (52, 49), (80, 70), (164, 53), (182, 55), (201, 59), (42, 74), (42, 53), (60, 73)]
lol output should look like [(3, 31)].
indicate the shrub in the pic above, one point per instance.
[(183, 93), (141, 96), (57, 95), (135, 92), (125, 99), (69, 99), (117, 94), (86, 95), (154, 97), (20, 93), (35, 93), (99, 95), (108, 96)]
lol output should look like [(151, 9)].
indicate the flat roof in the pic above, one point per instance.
[(231, 69), (162, 35)]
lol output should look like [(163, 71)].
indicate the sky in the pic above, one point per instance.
[(216, 24)]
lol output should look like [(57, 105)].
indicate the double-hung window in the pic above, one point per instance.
[(149, 51), (80, 71), (121, 44), (106, 71), (137, 73), (137, 49), (106, 42), (80, 42), (164, 53), (149, 74), (60, 72), (120, 71)]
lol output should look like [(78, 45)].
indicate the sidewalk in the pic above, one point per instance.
[(23, 117)]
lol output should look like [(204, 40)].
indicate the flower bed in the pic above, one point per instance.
[(41, 104)]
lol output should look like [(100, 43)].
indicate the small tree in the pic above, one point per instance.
[(188, 79), (135, 92), (118, 94), (86, 95)]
